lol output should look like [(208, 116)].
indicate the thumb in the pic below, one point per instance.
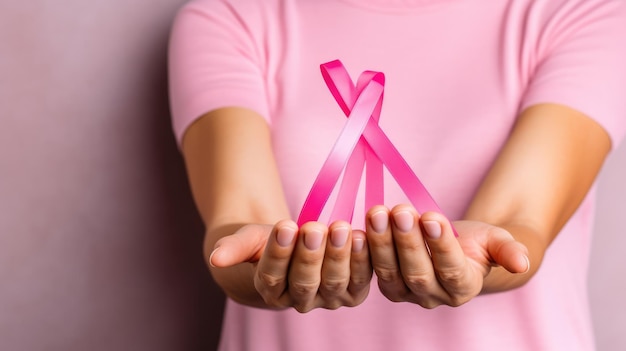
[(508, 253), (245, 245)]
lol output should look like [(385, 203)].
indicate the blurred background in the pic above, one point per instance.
[(100, 245)]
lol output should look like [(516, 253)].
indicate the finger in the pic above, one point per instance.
[(245, 245), (415, 261), (383, 254), (270, 279), (306, 266), (336, 266), (507, 252), (360, 268), (457, 276)]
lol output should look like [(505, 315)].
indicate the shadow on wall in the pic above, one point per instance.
[(187, 222), (211, 298)]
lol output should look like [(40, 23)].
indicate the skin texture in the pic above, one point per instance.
[(261, 258)]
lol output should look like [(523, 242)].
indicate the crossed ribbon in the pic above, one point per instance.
[(360, 142)]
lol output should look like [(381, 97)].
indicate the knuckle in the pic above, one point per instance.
[(429, 304), (426, 301), (269, 280), (453, 277), (334, 255), (334, 286), (356, 301), (392, 294), (352, 303), (356, 296), (462, 297), (386, 274), (309, 260), (335, 305), (302, 307), (458, 301), (394, 298), (360, 281), (301, 288), (418, 281)]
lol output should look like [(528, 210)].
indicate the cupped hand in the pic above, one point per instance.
[(418, 259), (314, 266)]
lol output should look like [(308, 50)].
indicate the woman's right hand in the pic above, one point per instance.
[(310, 267)]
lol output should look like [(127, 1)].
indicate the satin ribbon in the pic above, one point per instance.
[(360, 144)]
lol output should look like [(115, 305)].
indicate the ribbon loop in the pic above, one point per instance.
[(360, 144)]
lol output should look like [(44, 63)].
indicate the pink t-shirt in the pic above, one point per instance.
[(458, 74)]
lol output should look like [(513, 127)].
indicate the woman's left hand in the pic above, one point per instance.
[(418, 259)]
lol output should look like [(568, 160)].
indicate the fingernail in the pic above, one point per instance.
[(379, 221), (404, 220), (313, 239), (433, 229), (527, 265), (358, 244), (339, 236), (211, 257), (284, 236)]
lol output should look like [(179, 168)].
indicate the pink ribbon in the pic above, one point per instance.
[(360, 143)]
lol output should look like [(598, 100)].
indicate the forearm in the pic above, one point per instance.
[(234, 182), (538, 181)]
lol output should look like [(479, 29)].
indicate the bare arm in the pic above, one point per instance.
[(538, 181), (234, 181)]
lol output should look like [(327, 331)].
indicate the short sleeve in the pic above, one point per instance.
[(583, 66), (213, 62)]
